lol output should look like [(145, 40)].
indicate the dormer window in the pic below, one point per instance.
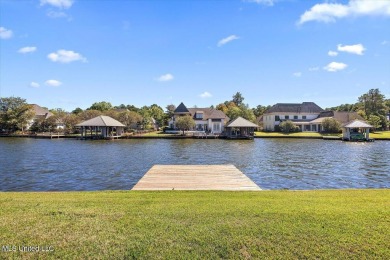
[(199, 115)]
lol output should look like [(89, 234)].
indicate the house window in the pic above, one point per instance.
[(216, 127), (199, 115), (295, 117), (303, 117), (286, 117), (277, 118)]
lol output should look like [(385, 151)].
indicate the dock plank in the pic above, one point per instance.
[(195, 177)]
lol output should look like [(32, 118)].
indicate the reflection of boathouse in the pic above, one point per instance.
[(240, 128), (356, 130), (101, 127)]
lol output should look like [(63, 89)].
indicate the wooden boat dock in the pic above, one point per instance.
[(195, 177)]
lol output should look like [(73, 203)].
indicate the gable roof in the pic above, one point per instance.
[(241, 122), (208, 113), (40, 111), (357, 124), (181, 109), (101, 121), (342, 117), (305, 107)]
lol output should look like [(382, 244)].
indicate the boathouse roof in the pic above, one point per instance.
[(358, 124), (241, 122), (101, 121)]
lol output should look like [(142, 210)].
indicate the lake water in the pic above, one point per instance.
[(64, 165)]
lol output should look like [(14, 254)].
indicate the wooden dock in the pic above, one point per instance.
[(195, 177)]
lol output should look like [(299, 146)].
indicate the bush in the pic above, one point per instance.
[(288, 126), (331, 125)]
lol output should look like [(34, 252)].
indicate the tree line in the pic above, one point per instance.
[(16, 113)]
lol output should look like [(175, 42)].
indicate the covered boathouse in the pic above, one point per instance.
[(356, 130), (101, 127), (240, 128)]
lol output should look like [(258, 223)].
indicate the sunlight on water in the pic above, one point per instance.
[(58, 165)]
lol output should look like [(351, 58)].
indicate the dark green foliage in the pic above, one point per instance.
[(331, 125), (288, 127)]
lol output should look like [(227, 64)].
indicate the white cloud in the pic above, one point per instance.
[(384, 42), (314, 68), (64, 56), (263, 2), (34, 84), (27, 49), (297, 74), (54, 14), (205, 95), (333, 53), (166, 77), (329, 12), (58, 3), (227, 39), (5, 33), (335, 66), (53, 83), (355, 49)]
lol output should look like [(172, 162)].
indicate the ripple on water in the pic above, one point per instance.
[(41, 165)]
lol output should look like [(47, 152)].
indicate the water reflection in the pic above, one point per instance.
[(41, 165)]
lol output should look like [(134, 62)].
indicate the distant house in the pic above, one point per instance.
[(40, 114), (300, 114), (308, 116), (206, 119)]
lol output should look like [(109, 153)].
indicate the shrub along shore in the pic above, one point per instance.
[(197, 224)]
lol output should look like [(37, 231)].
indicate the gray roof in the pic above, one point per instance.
[(241, 122), (305, 107), (341, 116), (101, 121), (181, 109), (40, 111), (208, 113), (357, 124)]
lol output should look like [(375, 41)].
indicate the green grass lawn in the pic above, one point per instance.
[(380, 134), (298, 134), (159, 134), (191, 225)]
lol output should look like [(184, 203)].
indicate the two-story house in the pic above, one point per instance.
[(300, 114), (206, 119)]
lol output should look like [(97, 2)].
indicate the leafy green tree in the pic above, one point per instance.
[(287, 126), (15, 113), (259, 110), (77, 111), (238, 99), (89, 114), (70, 121), (130, 118), (233, 112), (331, 125), (223, 108), (373, 102), (101, 106), (185, 123), (158, 114), (375, 121), (247, 113)]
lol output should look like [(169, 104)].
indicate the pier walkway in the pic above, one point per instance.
[(195, 177)]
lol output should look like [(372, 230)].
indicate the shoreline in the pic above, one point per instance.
[(327, 138)]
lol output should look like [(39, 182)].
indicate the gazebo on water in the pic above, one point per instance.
[(240, 128), (356, 130), (107, 126)]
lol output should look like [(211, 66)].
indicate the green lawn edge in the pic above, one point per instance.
[(328, 224)]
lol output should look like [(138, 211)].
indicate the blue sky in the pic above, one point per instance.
[(72, 53)]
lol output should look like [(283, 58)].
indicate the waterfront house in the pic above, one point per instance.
[(308, 116), (300, 114), (206, 119)]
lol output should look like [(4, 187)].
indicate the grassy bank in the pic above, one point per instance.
[(188, 225), (376, 135)]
